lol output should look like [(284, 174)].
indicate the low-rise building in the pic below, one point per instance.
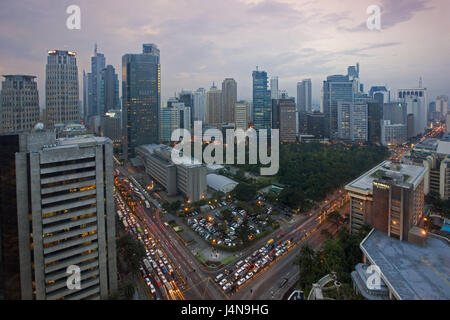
[(189, 177)]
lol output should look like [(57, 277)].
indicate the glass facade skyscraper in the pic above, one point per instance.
[(336, 88), (262, 106), (141, 92)]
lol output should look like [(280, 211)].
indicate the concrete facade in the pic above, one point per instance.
[(66, 214)]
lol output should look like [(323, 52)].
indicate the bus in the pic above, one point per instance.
[(125, 224), (119, 214)]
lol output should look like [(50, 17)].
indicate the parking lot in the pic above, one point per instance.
[(217, 229)]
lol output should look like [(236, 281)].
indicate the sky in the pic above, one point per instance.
[(202, 41)]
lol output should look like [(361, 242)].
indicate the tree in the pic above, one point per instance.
[(227, 215), (306, 266), (132, 250), (243, 231), (244, 191), (128, 290)]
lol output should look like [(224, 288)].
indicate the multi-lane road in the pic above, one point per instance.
[(197, 282)]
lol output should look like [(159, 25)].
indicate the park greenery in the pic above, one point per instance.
[(310, 171), (340, 256)]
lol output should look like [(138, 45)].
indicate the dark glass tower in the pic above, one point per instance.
[(141, 92), (262, 105)]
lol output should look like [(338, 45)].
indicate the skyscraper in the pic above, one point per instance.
[(65, 216), (287, 118), (109, 90), (262, 106), (187, 98), (274, 93), (352, 121), (95, 107), (229, 98), (442, 105), (214, 107), (85, 96), (19, 108), (141, 93), (61, 88), (335, 88), (199, 108), (241, 115), (417, 105), (304, 95)]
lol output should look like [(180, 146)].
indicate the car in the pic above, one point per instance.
[(152, 288), (249, 275), (220, 276), (241, 282), (222, 283)]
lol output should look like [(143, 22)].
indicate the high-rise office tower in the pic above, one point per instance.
[(315, 124), (187, 98), (61, 88), (109, 90), (85, 95), (352, 121), (287, 117), (417, 105), (169, 121), (9, 236), (214, 107), (335, 88), (229, 98), (374, 118), (65, 216), (262, 106), (241, 115), (175, 116), (19, 104), (304, 95), (395, 112), (274, 92), (442, 105), (299, 95), (95, 107), (199, 108), (111, 127), (358, 122), (141, 93), (380, 94)]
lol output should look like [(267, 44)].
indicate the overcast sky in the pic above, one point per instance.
[(202, 41)]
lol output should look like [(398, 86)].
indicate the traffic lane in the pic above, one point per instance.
[(262, 287), (186, 265)]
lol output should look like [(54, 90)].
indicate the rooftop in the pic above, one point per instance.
[(413, 174), (165, 151), (411, 272)]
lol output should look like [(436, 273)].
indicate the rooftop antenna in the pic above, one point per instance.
[(257, 68), (420, 82)]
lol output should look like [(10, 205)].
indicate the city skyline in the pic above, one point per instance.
[(212, 51)]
